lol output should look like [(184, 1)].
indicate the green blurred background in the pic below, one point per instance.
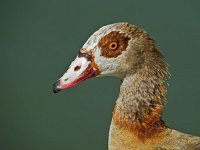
[(39, 39)]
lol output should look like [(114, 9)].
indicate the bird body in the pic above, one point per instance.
[(128, 52), (120, 139)]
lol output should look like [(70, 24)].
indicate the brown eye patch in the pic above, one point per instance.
[(113, 44)]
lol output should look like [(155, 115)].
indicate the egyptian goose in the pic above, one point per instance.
[(128, 52)]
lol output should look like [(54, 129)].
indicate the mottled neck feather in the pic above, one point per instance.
[(142, 95)]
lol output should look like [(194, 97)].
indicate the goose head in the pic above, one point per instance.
[(113, 50)]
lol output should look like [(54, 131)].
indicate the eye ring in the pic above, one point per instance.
[(113, 46)]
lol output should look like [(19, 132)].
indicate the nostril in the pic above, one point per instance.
[(77, 68)]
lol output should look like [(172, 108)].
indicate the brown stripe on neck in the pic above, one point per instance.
[(144, 126)]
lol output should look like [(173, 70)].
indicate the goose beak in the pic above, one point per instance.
[(80, 69)]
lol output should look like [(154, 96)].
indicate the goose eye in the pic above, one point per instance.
[(113, 46)]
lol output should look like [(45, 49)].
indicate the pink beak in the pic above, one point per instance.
[(80, 69)]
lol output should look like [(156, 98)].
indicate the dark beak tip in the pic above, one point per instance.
[(55, 87), (55, 90)]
